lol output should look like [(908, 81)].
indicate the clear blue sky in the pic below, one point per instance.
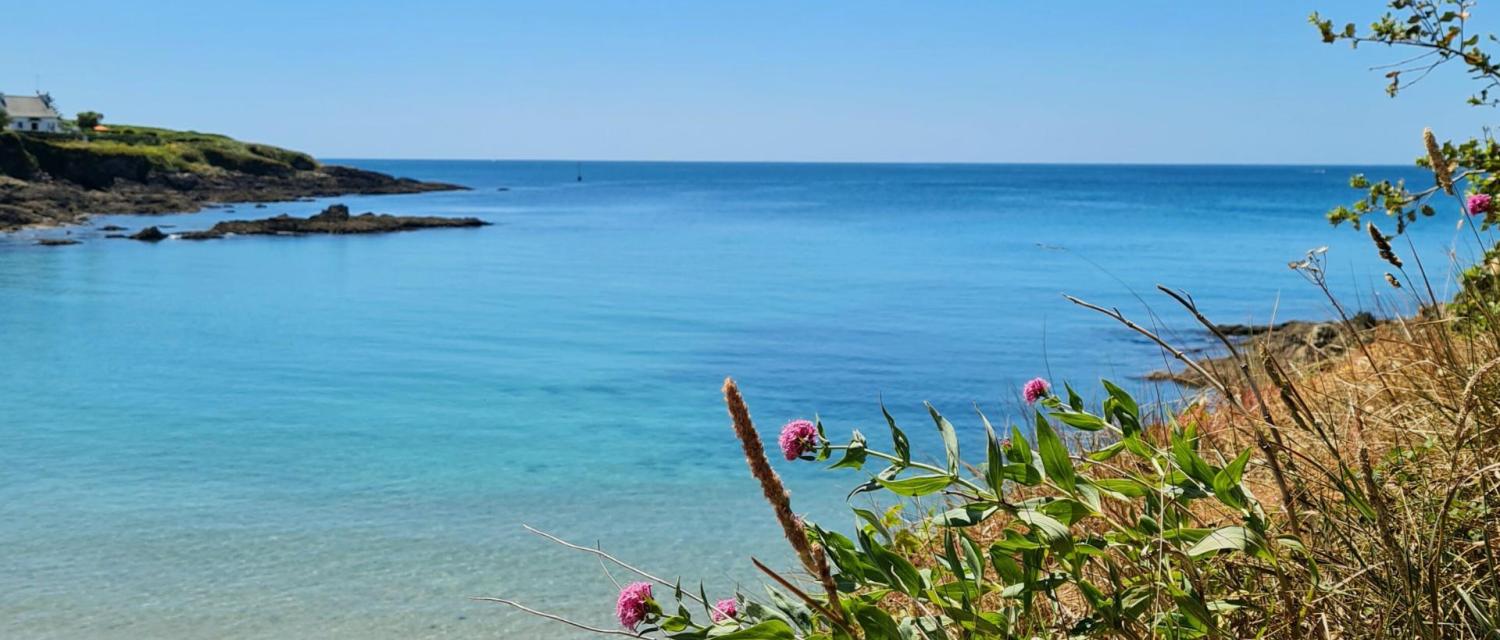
[(966, 81)]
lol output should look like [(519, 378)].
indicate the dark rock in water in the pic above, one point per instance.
[(333, 220), (116, 235), (503, 189), (260, 205), (56, 242), (149, 234), (112, 227)]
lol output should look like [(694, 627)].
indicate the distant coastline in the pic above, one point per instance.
[(52, 180)]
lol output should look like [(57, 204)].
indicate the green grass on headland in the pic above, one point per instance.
[(136, 152)]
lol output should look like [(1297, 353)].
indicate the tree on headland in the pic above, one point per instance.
[(4, 118), (87, 120)]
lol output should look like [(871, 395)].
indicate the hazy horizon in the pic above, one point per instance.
[(999, 163), (1151, 83)]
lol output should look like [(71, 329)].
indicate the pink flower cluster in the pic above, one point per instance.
[(1035, 390), (1480, 203), (631, 608), (798, 437), (725, 609)]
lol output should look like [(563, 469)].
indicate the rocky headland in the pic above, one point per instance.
[(53, 180)]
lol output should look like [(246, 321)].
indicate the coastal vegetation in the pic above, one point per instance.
[(53, 179), (139, 153), (87, 120), (1353, 496)]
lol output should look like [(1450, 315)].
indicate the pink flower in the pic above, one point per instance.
[(724, 610), (631, 608), (798, 437), (1480, 203), (1036, 390)]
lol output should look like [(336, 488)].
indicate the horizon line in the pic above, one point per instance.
[(884, 162)]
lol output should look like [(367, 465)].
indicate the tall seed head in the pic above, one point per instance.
[(1440, 167), (1384, 246), (770, 483)]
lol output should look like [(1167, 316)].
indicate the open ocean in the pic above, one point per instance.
[(340, 437)]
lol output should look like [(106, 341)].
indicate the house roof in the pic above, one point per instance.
[(27, 107)]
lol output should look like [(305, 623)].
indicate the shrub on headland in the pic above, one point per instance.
[(1354, 499)]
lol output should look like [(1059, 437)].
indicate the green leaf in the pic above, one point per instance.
[(1235, 538), (1194, 608), (823, 448), (792, 611), (1123, 486), (950, 439), (1189, 461), (854, 456), (1126, 402), (1014, 542), (898, 439), (1107, 452), (1026, 474), (1227, 482), (1054, 455), (1005, 566), (1019, 450), (1023, 467), (1074, 400), (966, 516), (768, 630), (1051, 530), (916, 485), (1080, 420), (877, 624), (994, 471), (1068, 512), (874, 520), (888, 473), (900, 572)]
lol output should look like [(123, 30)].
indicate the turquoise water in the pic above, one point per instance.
[(339, 437)]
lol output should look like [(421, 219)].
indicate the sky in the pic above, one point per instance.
[(1088, 81)]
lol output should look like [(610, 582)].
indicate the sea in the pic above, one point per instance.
[(343, 436)]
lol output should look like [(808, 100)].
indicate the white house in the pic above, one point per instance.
[(32, 113)]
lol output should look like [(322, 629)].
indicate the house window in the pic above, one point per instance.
[(33, 125)]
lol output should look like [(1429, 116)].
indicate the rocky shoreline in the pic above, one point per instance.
[(51, 202), (1296, 343)]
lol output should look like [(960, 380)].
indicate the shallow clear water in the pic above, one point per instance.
[(339, 437)]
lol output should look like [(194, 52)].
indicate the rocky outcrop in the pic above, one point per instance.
[(1295, 344), (56, 242), (335, 219)]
